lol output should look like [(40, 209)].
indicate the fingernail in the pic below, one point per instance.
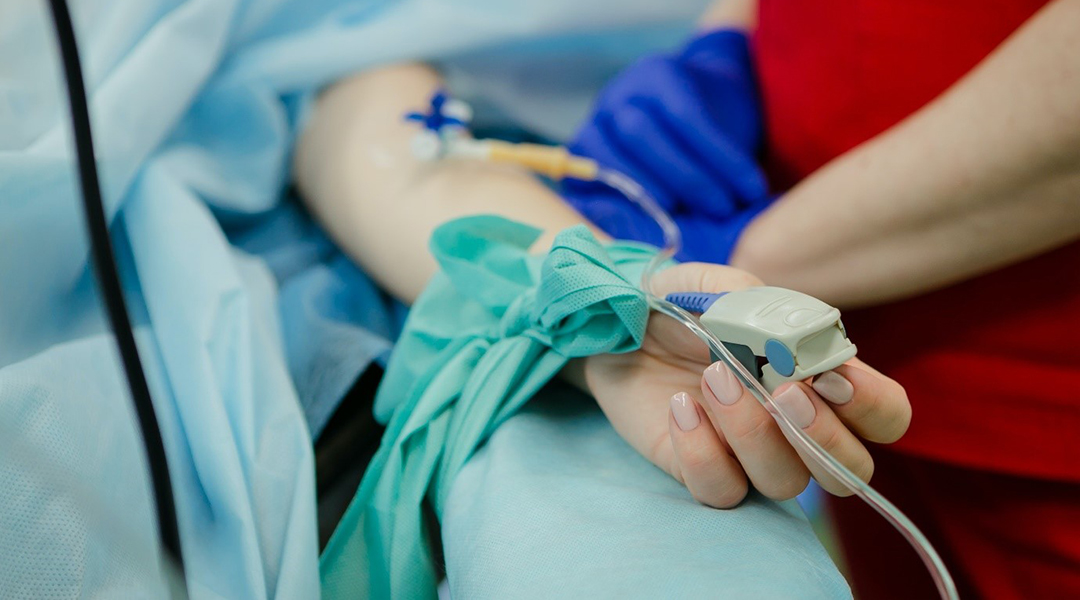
[(723, 384), (797, 406), (834, 387), (682, 406)]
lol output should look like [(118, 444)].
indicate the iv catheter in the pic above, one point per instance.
[(723, 325)]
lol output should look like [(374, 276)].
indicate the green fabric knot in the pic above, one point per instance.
[(582, 304), (488, 332)]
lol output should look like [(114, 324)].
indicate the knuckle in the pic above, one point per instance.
[(697, 458), (754, 430), (832, 440), (726, 496)]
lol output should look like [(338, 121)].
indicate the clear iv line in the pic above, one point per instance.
[(557, 163), (672, 242)]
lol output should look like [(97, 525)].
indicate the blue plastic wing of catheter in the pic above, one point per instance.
[(436, 119), (695, 302)]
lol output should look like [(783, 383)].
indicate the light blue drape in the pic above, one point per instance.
[(250, 324)]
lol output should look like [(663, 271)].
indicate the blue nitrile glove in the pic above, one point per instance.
[(685, 126), (704, 237), (713, 240)]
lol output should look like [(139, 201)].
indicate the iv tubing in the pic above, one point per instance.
[(672, 242), (557, 163)]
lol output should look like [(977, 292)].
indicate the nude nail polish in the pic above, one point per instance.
[(834, 387), (685, 411), (797, 406), (723, 384)]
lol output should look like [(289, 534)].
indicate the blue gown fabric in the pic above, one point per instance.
[(568, 509), (250, 322)]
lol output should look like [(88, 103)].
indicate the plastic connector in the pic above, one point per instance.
[(695, 302), (552, 161)]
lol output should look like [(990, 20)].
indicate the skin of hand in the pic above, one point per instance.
[(358, 177), (711, 434)]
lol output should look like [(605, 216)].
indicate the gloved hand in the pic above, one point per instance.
[(705, 238), (685, 126)]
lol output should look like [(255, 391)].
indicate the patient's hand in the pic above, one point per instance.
[(711, 434)]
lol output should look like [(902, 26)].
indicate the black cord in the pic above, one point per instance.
[(109, 283)]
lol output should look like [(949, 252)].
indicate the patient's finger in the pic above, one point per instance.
[(871, 404), (701, 277), (814, 416), (704, 465), (770, 462)]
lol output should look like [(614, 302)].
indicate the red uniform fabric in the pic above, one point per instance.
[(991, 464), (1002, 536), (992, 365)]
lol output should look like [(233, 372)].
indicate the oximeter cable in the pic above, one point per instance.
[(104, 261)]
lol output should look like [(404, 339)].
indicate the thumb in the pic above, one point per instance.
[(701, 277)]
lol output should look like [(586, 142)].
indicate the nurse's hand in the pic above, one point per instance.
[(711, 434), (686, 126), (704, 238)]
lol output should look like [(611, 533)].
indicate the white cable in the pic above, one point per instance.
[(672, 242), (464, 146)]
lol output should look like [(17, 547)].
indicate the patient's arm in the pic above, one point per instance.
[(357, 174)]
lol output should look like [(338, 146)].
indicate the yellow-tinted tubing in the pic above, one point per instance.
[(553, 161)]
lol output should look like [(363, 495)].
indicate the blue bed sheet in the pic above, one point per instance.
[(251, 324), (556, 505)]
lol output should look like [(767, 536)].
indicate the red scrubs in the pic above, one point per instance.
[(991, 464)]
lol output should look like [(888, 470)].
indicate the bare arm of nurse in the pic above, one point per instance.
[(357, 174), (985, 176)]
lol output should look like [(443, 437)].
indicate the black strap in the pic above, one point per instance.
[(109, 283)]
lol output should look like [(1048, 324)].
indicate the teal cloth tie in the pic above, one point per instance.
[(489, 331)]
